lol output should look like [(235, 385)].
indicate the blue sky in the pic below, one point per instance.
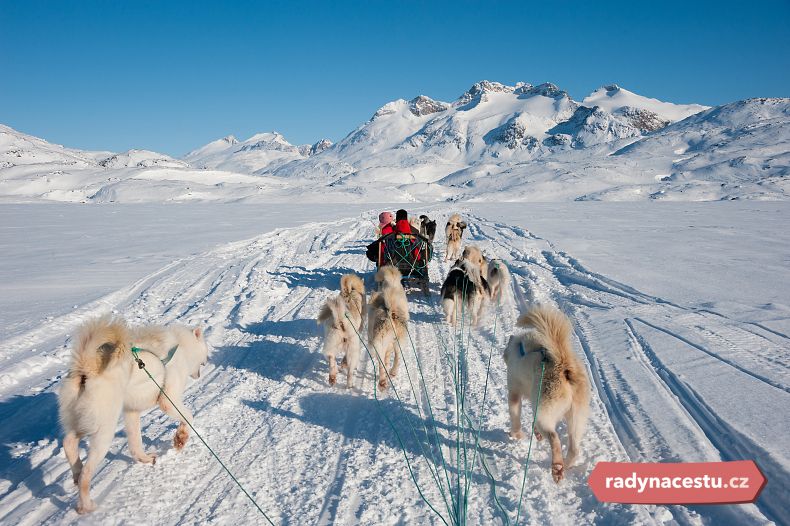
[(171, 76)]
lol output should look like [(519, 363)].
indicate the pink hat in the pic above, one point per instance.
[(385, 218)]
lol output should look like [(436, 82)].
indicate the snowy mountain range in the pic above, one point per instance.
[(494, 143)]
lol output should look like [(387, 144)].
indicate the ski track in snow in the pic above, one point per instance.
[(314, 454)]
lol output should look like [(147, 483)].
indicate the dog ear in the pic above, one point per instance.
[(198, 332), (462, 224)]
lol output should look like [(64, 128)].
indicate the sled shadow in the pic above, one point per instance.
[(29, 420)]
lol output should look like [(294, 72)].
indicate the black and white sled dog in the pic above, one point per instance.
[(103, 381), (566, 388), (464, 292), (388, 318), (340, 317), (427, 227)]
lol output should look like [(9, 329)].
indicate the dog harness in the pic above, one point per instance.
[(164, 360)]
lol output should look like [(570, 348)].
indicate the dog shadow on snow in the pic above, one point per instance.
[(327, 278), (30, 421), (366, 421), (279, 355)]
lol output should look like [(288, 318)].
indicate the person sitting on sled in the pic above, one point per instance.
[(402, 225), (385, 226)]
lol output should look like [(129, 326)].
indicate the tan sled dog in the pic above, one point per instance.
[(498, 279), (104, 380), (388, 318), (340, 317), (454, 231), (566, 388)]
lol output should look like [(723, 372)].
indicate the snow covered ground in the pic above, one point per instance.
[(680, 311)]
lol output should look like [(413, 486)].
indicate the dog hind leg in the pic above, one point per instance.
[(352, 361), (382, 346), (514, 407), (71, 446), (557, 464), (99, 445), (577, 421), (395, 350), (330, 357), (448, 306)]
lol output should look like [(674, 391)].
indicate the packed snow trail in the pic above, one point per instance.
[(664, 379)]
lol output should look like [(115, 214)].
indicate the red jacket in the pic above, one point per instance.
[(387, 229), (403, 227)]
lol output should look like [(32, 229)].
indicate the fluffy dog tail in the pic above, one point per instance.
[(99, 343), (352, 283), (498, 269), (334, 311), (554, 330)]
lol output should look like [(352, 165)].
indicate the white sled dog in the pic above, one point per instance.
[(388, 318), (566, 388), (454, 231), (463, 292), (103, 380), (339, 333), (498, 279)]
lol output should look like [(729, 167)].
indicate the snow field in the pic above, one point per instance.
[(671, 383)]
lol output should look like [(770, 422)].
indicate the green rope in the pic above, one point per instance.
[(435, 471), (419, 411), (141, 365), (391, 424), (485, 393), (430, 410), (531, 436)]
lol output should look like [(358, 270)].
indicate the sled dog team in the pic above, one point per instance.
[(104, 380)]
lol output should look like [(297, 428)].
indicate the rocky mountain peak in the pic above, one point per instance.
[(422, 105), (547, 89), (307, 149), (479, 89)]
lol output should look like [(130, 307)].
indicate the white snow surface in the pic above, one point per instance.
[(494, 143), (680, 313)]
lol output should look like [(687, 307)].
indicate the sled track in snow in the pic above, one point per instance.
[(314, 454)]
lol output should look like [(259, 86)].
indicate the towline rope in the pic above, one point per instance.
[(141, 365), (532, 431)]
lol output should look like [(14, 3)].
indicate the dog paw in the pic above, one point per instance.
[(145, 459), (538, 436), (182, 435), (516, 435), (557, 472), (382, 383), (86, 507), (332, 379)]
